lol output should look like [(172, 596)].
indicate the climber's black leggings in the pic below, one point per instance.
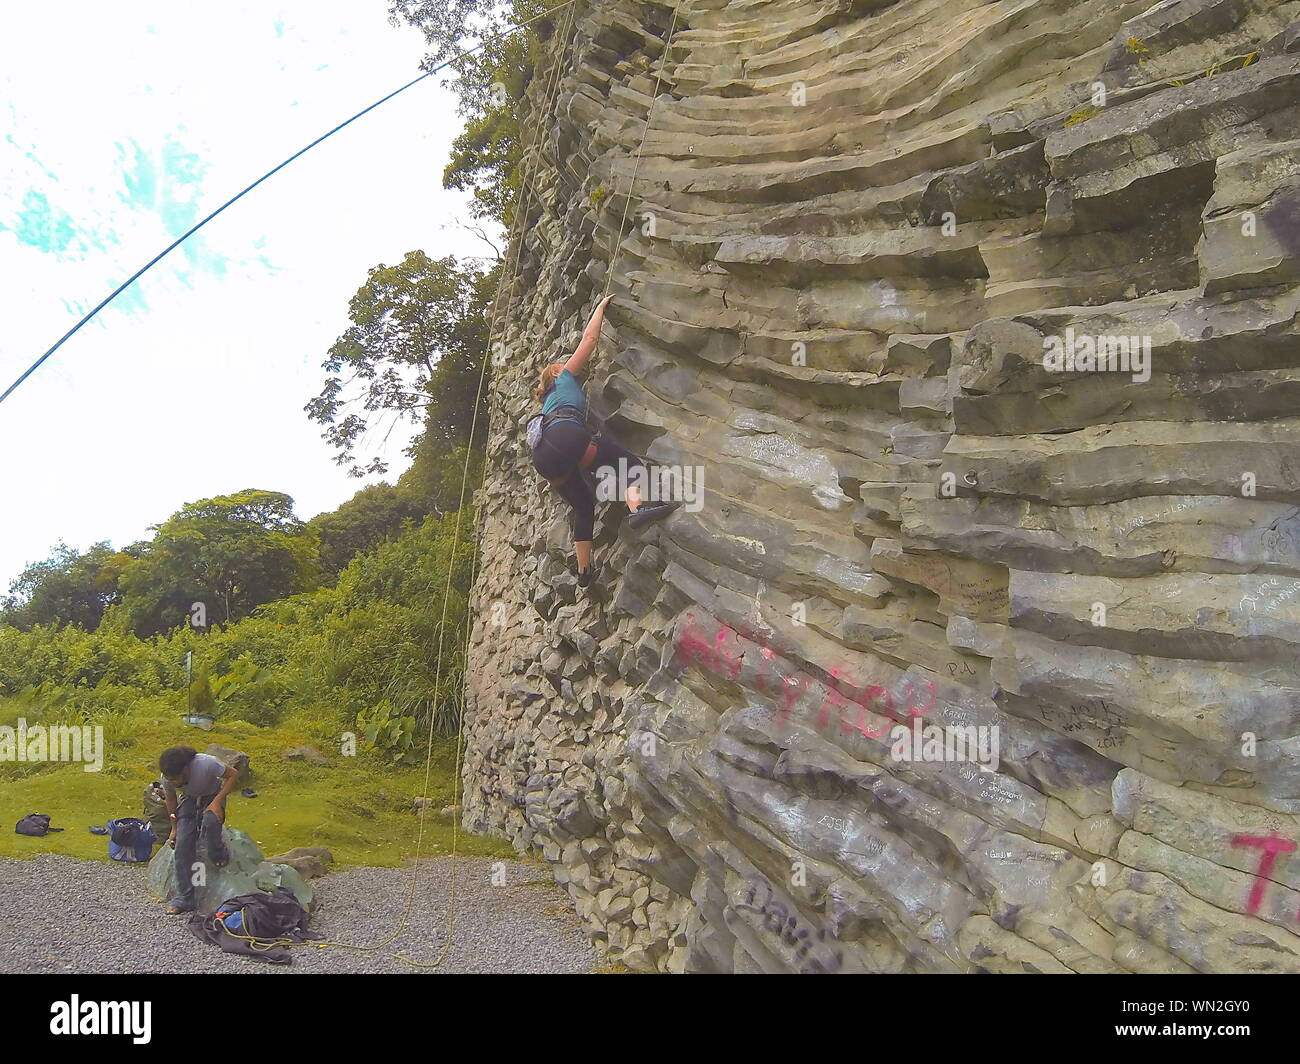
[(562, 447)]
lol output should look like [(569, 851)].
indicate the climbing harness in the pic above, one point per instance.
[(539, 446), (538, 423)]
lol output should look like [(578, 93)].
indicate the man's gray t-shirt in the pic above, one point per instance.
[(204, 778)]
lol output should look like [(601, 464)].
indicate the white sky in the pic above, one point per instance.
[(120, 126)]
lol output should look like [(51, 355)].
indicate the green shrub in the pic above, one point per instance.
[(376, 653)]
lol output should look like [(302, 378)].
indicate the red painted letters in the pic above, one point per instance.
[(1272, 845), (694, 648)]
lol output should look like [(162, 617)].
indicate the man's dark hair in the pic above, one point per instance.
[(172, 761)]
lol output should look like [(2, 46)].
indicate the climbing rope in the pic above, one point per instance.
[(513, 274), (532, 154), (216, 923), (499, 316), (551, 95), (636, 170)]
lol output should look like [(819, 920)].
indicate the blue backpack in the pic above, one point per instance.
[(130, 839)]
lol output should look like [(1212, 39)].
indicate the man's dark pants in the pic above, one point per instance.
[(193, 822)]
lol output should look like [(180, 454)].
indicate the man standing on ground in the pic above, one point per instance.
[(203, 782)]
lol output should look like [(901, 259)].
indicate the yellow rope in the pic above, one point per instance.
[(410, 896), (498, 311), (1143, 54), (551, 95), (519, 220), (261, 945), (636, 170)]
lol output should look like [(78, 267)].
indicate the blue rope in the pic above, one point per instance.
[(234, 199)]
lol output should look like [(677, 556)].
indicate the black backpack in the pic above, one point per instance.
[(36, 824)]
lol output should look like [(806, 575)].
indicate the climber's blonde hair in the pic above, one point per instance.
[(547, 377)]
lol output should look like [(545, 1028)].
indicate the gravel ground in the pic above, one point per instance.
[(59, 914)]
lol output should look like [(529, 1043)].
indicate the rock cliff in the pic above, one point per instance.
[(980, 320)]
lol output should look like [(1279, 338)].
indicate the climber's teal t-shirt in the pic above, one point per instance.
[(566, 392)]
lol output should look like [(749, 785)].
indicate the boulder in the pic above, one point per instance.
[(247, 871), (231, 759)]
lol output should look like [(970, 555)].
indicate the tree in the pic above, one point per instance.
[(435, 477), (66, 588), (372, 516), (416, 346), (492, 84), (389, 644), (231, 552)]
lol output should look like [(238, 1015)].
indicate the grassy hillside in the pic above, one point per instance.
[(359, 807), (376, 654)]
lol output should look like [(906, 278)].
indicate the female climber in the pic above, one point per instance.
[(565, 450)]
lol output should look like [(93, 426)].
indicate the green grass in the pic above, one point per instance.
[(358, 807)]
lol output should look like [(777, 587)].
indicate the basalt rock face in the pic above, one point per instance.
[(869, 257)]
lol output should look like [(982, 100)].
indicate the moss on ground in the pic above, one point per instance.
[(360, 808)]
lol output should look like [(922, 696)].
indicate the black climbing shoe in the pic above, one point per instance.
[(643, 515), (585, 578)]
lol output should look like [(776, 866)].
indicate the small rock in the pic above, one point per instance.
[(310, 862), (305, 753)]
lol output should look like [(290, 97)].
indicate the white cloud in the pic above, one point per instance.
[(195, 385)]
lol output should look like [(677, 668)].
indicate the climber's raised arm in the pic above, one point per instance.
[(578, 360)]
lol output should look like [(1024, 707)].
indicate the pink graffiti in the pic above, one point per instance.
[(1272, 845), (694, 648), (834, 697)]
